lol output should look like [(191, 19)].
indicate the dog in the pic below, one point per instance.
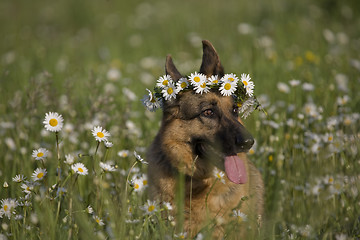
[(200, 133)]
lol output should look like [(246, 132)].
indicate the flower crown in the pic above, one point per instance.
[(229, 85)]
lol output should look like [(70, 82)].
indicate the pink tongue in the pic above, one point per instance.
[(235, 169)]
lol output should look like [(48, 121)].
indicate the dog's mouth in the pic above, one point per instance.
[(232, 163)]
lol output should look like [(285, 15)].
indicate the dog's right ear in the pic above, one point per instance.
[(171, 70)]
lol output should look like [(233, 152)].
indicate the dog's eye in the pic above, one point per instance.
[(208, 113), (236, 110)]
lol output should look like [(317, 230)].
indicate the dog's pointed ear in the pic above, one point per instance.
[(171, 70), (210, 62)]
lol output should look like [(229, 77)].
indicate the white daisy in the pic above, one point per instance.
[(197, 78), (8, 206), (79, 168), (181, 84), (167, 206), (169, 91), (139, 158), (241, 217), (137, 184), (181, 235), (247, 107), (39, 174), (220, 175), (214, 80), (100, 134), (108, 144), (27, 187), (230, 78), (107, 167), (40, 154), (18, 178), (164, 81), (150, 207), (151, 102), (98, 220), (69, 159), (89, 210), (123, 153), (227, 88), (202, 88), (53, 122), (248, 84)]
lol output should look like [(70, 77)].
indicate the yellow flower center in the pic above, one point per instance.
[(245, 83), (271, 158), (203, 85), (227, 86), (53, 122), (145, 182), (40, 154), (196, 79), (240, 219), (170, 90), (97, 220), (27, 189), (218, 175), (151, 208), (251, 151), (6, 207), (183, 85), (215, 81), (152, 100), (100, 134), (331, 180), (231, 79), (165, 82), (330, 138), (40, 175), (136, 186), (80, 170)]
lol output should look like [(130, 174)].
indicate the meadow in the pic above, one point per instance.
[(91, 62)]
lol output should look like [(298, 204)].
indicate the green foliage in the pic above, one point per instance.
[(91, 62)]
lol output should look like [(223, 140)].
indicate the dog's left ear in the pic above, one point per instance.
[(171, 70), (211, 62)]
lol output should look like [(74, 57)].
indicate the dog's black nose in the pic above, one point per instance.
[(244, 143)]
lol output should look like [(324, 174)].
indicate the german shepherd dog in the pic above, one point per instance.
[(200, 132)]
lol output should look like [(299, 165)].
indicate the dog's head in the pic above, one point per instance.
[(209, 122)]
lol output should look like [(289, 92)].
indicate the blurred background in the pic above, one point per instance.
[(92, 60)]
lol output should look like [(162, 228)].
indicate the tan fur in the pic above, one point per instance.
[(172, 153)]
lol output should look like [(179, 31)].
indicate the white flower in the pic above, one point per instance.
[(69, 159), (89, 210), (123, 153), (247, 107), (241, 217), (100, 134), (283, 87), (139, 158), (18, 178), (202, 88), (213, 80), (197, 78), (248, 85), (107, 167), (181, 235), (167, 206), (181, 84), (169, 91), (53, 122), (108, 144), (219, 175), (27, 188), (230, 78), (8, 206), (79, 168), (40, 154), (39, 174), (164, 81), (150, 207), (98, 220), (227, 88), (308, 87), (151, 102), (113, 74), (294, 82), (137, 184)]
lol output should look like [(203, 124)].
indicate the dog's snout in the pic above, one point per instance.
[(245, 143)]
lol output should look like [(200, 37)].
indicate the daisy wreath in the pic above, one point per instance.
[(229, 85)]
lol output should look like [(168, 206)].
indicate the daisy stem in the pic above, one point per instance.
[(127, 178), (191, 183), (207, 195), (58, 155)]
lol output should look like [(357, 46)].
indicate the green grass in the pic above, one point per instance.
[(55, 56)]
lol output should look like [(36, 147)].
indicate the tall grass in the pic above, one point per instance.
[(91, 62)]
